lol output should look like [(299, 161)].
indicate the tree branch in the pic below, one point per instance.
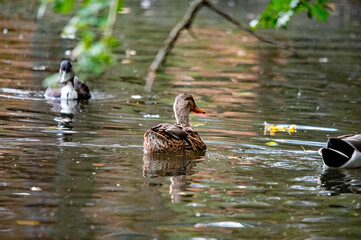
[(247, 29), (170, 41), (186, 23)]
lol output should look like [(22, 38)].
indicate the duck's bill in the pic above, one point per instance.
[(64, 76), (198, 110)]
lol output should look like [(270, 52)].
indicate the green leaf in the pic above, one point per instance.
[(64, 6), (278, 13), (321, 13), (120, 5), (94, 46)]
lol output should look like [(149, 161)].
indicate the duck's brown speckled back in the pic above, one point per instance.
[(163, 139)]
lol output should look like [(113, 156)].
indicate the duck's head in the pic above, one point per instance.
[(66, 72), (183, 105)]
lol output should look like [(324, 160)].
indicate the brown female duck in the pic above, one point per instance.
[(176, 138)]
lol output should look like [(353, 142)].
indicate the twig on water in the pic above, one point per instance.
[(186, 23)]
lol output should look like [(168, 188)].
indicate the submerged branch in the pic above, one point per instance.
[(186, 23)]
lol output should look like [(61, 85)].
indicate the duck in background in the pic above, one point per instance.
[(176, 138), (71, 86), (343, 151)]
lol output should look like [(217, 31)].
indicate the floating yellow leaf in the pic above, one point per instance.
[(27, 222), (272, 144), (98, 164), (51, 127), (271, 129)]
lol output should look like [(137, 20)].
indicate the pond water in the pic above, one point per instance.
[(88, 178)]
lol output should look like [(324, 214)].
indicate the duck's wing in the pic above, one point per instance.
[(172, 131), (81, 88), (177, 132), (52, 93), (353, 140)]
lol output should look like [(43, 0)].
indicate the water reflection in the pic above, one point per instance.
[(176, 166), (67, 108), (341, 180)]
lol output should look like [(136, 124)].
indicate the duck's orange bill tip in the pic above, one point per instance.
[(198, 110)]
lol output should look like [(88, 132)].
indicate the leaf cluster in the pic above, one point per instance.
[(279, 12), (90, 28)]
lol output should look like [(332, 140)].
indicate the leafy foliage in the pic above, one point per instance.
[(278, 12), (91, 27)]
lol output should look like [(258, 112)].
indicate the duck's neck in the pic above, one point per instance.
[(182, 117), (68, 91)]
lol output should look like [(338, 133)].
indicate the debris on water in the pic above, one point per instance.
[(126, 61), (272, 144), (98, 164), (323, 60), (27, 222), (226, 224), (136, 97), (305, 150), (271, 129), (39, 68), (151, 116), (22, 194), (35, 189), (130, 52)]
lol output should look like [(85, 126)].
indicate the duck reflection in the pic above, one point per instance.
[(67, 108), (175, 166), (341, 180)]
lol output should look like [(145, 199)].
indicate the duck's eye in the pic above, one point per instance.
[(188, 98)]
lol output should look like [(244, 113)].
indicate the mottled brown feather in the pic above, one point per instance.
[(159, 140)]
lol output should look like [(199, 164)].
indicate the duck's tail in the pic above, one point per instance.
[(336, 153)]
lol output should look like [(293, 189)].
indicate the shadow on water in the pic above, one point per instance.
[(340, 181)]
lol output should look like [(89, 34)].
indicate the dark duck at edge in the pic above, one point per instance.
[(71, 86), (342, 152), (176, 138)]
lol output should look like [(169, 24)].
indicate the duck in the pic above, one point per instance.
[(71, 86), (342, 152), (179, 137)]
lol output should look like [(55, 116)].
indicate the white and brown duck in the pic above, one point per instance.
[(176, 138), (71, 86)]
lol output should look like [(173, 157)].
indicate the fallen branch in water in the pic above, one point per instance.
[(186, 23)]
